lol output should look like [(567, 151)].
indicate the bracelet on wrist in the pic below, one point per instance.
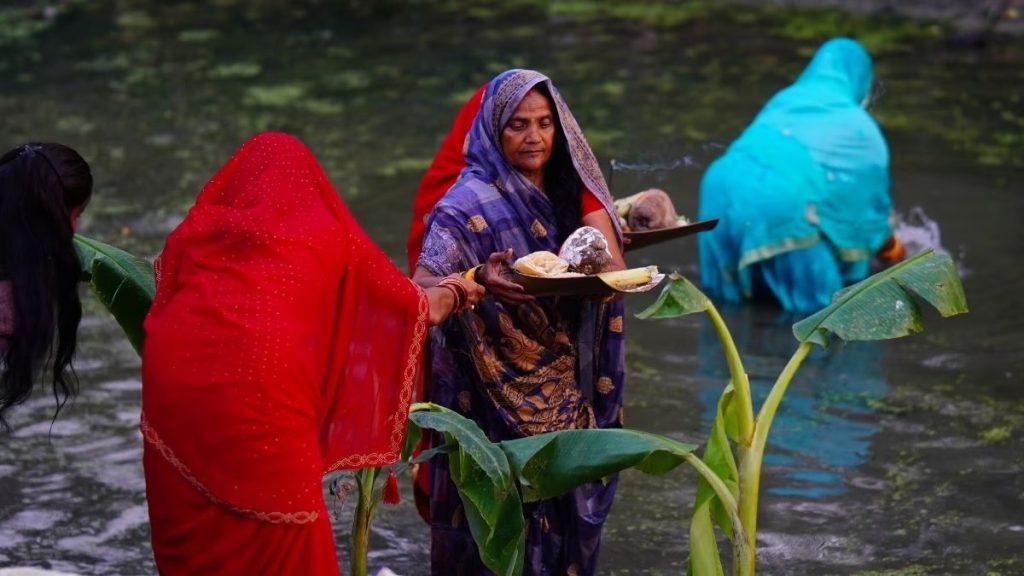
[(455, 296), (471, 273), (454, 285)]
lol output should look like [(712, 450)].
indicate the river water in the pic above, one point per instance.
[(900, 457)]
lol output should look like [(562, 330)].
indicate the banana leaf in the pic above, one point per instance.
[(123, 283), (485, 483), (882, 306), (549, 465), (704, 556), (678, 298), (545, 466)]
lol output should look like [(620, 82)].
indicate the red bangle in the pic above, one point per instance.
[(457, 289), (455, 295)]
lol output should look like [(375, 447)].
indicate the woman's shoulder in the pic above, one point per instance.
[(467, 194)]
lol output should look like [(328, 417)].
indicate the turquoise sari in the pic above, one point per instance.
[(803, 193)]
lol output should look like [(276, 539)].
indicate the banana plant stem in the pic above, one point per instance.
[(728, 501), (751, 458), (745, 405), (361, 521)]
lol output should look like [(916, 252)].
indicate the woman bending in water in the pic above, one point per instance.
[(44, 187), (803, 193)]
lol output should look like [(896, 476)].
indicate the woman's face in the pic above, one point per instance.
[(529, 135)]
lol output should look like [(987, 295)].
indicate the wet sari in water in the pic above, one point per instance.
[(803, 193), (282, 344), (555, 364)]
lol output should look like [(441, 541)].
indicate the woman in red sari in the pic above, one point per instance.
[(282, 344), (444, 170)]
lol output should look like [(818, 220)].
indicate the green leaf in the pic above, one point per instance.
[(704, 555), (412, 438), (123, 283), (679, 297), (485, 483), (549, 465), (704, 559), (881, 307), (719, 457)]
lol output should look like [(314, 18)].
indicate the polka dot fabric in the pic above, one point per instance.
[(282, 343)]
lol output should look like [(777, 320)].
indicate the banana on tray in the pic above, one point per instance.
[(626, 280), (582, 258)]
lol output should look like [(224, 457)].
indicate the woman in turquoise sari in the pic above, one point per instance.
[(803, 193)]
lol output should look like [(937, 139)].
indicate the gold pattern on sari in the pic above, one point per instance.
[(605, 385), (488, 367), (615, 324), (476, 223), (516, 347), (538, 230), (536, 321), (530, 372), (549, 337)]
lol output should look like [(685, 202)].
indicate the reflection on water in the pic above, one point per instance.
[(898, 455), (824, 426), (73, 491)]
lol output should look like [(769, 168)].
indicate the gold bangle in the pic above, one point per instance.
[(471, 273)]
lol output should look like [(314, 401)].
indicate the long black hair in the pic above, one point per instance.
[(40, 185), (561, 183)]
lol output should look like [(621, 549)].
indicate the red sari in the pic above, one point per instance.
[(282, 344)]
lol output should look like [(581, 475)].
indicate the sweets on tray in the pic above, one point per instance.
[(586, 251), (648, 210)]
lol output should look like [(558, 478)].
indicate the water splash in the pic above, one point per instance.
[(919, 232)]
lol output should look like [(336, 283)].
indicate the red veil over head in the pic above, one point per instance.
[(441, 175), (282, 343)]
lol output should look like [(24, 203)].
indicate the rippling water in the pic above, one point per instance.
[(898, 455)]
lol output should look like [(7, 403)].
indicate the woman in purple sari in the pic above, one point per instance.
[(515, 364)]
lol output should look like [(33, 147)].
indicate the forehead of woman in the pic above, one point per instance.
[(508, 90), (534, 105)]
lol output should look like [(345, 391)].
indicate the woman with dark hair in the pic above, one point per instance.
[(44, 187), (515, 364)]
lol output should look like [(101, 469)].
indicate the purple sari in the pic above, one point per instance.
[(6, 315), (554, 364)]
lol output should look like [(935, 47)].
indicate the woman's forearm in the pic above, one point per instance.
[(425, 278)]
